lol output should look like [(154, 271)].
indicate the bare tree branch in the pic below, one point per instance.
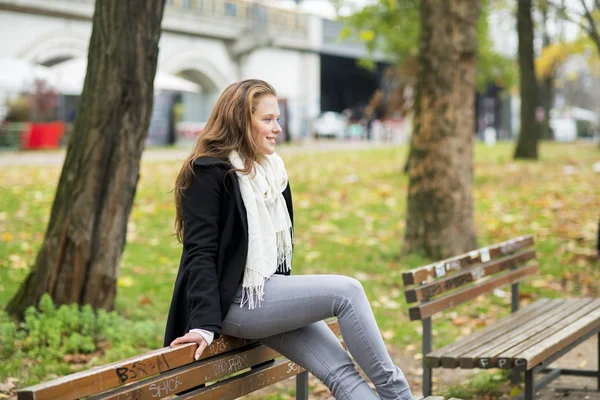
[(592, 30)]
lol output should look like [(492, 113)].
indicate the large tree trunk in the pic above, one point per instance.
[(79, 258), (439, 218), (547, 101), (527, 146), (547, 82)]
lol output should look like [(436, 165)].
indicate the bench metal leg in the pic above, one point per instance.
[(302, 386), (529, 388), (427, 374), (598, 361), (515, 376), (427, 345)]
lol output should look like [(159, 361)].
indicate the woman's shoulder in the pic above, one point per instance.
[(211, 170), (210, 161)]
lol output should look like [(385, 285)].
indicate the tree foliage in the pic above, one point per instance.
[(393, 26)]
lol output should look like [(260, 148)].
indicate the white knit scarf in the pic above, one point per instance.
[(269, 225)]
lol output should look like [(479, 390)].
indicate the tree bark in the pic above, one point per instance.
[(527, 146), (79, 258), (593, 28), (439, 218), (547, 101), (547, 83)]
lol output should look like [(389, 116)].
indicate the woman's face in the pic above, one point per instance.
[(266, 127)]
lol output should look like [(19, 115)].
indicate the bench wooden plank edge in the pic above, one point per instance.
[(494, 355), (449, 354), (433, 307), (195, 374), (420, 274), (105, 377), (247, 382), (560, 340), (443, 285), (192, 375)]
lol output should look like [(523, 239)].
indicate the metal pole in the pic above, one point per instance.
[(514, 297), (302, 386), (529, 388), (515, 375), (598, 358), (427, 345)]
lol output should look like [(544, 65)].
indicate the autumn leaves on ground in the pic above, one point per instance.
[(349, 215)]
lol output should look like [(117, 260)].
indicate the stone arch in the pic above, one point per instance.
[(196, 68), (52, 48)]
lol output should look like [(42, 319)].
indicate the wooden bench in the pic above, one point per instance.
[(228, 369), (528, 340)]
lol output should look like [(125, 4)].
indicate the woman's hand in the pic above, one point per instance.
[(192, 337)]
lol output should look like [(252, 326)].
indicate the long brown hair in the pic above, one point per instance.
[(228, 128)]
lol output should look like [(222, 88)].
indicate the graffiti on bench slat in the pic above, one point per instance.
[(141, 369), (509, 247), (293, 367), (452, 283), (230, 365), (502, 362), (165, 387), (253, 383), (221, 345)]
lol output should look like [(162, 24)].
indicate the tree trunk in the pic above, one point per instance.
[(527, 146), (547, 83), (79, 258), (547, 100), (439, 218)]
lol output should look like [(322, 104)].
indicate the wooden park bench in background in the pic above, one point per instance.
[(230, 368), (528, 340)]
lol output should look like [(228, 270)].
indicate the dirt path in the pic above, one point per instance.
[(57, 157)]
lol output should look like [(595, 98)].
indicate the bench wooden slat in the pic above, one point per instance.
[(535, 349), (485, 356), (560, 340), (433, 307), (461, 278), (447, 357), (248, 382), (531, 341), (109, 376), (164, 370), (466, 260), (193, 375)]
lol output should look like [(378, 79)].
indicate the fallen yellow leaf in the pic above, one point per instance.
[(125, 281)]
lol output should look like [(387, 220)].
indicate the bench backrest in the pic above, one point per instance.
[(445, 284), (168, 371)]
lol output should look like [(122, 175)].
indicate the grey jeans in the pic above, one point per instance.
[(290, 321)]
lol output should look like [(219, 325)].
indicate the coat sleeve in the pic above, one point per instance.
[(201, 209)]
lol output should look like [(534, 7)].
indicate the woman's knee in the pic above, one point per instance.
[(350, 287)]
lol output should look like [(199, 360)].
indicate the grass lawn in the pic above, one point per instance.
[(349, 219)]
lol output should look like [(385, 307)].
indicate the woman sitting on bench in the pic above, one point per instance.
[(234, 218)]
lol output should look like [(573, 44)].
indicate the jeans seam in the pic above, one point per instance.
[(324, 362), (368, 344)]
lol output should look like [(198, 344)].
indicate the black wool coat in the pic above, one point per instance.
[(215, 247)]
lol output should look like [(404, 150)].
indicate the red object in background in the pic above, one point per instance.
[(45, 135)]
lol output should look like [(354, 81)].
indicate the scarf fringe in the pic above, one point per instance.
[(284, 249), (253, 289)]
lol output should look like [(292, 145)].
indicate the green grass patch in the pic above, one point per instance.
[(349, 219)]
